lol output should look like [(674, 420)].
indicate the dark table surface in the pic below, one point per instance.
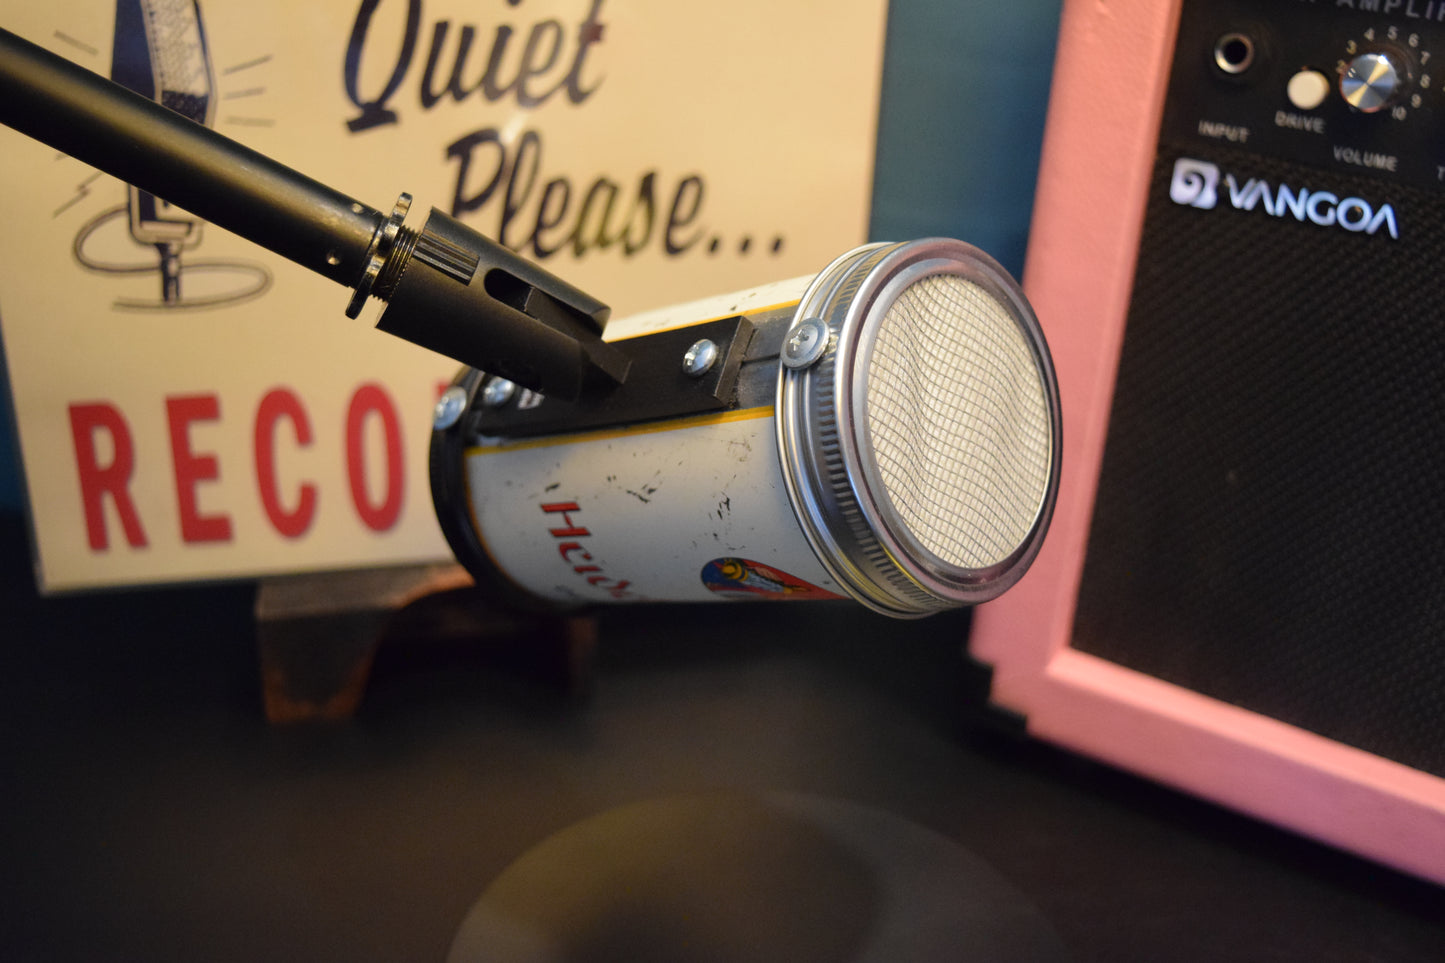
[(152, 814)]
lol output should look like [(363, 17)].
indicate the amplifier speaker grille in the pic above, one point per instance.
[(1270, 522)]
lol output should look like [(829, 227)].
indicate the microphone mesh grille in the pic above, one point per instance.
[(959, 421)]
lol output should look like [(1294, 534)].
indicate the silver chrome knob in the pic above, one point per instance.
[(1370, 82)]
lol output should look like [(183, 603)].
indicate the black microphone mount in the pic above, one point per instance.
[(446, 287)]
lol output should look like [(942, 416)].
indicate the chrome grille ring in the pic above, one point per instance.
[(921, 451)]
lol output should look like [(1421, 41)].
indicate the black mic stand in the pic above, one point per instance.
[(447, 287)]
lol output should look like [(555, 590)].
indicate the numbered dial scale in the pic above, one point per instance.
[(1349, 90), (1387, 70)]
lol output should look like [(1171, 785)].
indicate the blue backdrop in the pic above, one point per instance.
[(965, 86)]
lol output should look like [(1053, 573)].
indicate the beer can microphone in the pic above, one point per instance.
[(885, 431)]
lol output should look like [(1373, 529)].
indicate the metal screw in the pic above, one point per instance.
[(700, 358), (449, 408), (497, 392), (805, 343)]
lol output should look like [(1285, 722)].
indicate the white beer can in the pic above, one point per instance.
[(886, 431)]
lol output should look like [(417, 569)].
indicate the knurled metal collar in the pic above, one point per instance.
[(377, 253)]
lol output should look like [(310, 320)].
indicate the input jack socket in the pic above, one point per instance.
[(1234, 53)]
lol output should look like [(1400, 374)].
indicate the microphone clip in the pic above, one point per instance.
[(455, 291), (675, 373)]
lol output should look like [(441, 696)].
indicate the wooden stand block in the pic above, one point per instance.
[(318, 633)]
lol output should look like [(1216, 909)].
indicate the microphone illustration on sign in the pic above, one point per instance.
[(160, 51)]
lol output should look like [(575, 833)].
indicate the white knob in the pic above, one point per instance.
[(1308, 89)]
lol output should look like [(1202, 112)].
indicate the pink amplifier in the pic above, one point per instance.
[(1235, 257)]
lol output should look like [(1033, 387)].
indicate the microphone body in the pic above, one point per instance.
[(889, 433)]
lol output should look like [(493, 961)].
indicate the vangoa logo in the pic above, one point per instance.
[(1196, 184)]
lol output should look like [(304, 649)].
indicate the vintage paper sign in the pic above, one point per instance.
[(191, 406)]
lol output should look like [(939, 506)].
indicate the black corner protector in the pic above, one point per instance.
[(982, 715)]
